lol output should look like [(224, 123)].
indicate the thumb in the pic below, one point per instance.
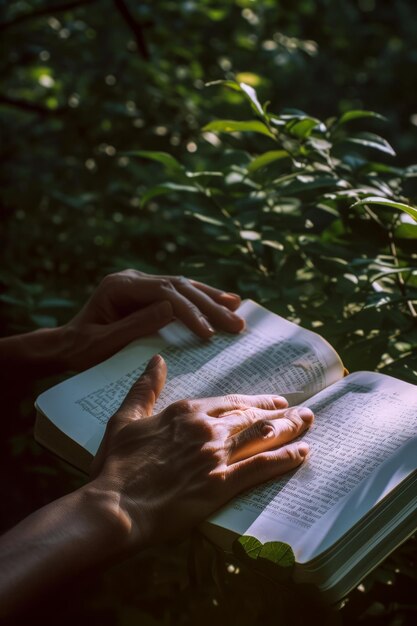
[(141, 398)]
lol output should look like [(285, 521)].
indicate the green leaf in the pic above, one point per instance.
[(207, 219), (406, 231), (44, 321), (251, 95), (55, 303), (302, 128), (232, 126), (273, 559), (9, 299), (165, 188), (273, 244), (370, 140), (376, 200), (232, 84), (166, 159), (266, 158), (202, 174), (247, 547), (358, 114), (277, 552), (397, 270)]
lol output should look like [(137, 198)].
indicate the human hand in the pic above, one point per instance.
[(131, 304), (162, 474)]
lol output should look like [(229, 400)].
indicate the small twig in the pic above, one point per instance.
[(134, 26), (30, 107), (48, 10), (400, 278)]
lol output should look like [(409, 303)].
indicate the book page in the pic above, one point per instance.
[(363, 444), (271, 356)]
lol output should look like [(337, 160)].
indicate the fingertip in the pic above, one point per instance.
[(303, 449), (280, 402), (155, 362), (234, 323), (230, 300), (306, 414)]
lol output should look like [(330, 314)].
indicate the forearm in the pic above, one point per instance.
[(61, 540), (38, 353)]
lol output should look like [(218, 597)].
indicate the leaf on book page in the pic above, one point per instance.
[(274, 559), (277, 552), (247, 547)]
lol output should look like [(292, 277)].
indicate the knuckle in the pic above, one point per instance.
[(234, 400), (110, 279), (201, 429), (260, 463), (166, 285), (293, 422), (181, 281), (217, 480), (290, 453), (181, 407)]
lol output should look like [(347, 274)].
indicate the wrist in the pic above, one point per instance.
[(115, 533), (40, 351)]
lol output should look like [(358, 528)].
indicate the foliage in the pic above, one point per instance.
[(317, 229), (105, 166)]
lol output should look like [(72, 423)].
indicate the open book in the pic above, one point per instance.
[(351, 502)]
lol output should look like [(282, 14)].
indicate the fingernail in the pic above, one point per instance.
[(155, 360), (206, 325), (303, 450), (230, 295), (237, 321), (280, 402), (305, 413)]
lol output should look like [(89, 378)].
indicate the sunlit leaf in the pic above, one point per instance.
[(252, 97), (370, 140), (232, 126), (358, 114), (266, 158), (302, 128), (376, 200), (207, 219)]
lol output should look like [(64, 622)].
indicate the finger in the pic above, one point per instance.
[(265, 466), (241, 419), (216, 313), (265, 434), (141, 398), (222, 405), (150, 289), (231, 300), (141, 323)]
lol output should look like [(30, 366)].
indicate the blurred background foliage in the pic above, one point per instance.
[(86, 83)]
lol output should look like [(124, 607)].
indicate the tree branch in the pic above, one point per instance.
[(30, 107), (49, 10), (134, 26)]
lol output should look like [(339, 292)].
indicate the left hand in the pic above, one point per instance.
[(130, 304)]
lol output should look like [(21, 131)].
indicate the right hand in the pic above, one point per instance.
[(167, 472)]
